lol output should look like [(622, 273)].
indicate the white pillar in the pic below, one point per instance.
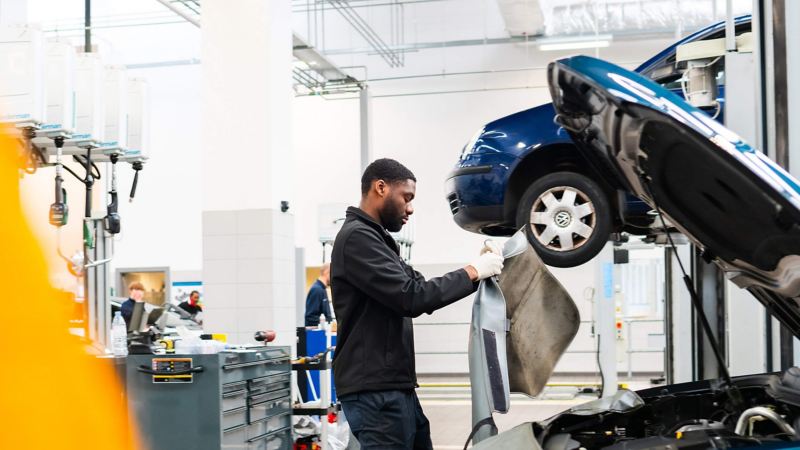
[(365, 116), (248, 242)]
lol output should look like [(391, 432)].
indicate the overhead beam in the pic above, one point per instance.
[(522, 17), (317, 62), (191, 18)]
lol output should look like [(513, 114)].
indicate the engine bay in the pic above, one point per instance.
[(757, 410)]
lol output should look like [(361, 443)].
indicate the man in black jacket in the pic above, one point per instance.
[(376, 295)]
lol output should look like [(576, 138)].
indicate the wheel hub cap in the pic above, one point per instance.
[(563, 218)]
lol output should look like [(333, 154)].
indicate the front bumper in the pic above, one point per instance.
[(475, 197)]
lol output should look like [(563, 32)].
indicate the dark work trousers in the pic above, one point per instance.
[(387, 420)]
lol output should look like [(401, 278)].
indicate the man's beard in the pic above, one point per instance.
[(392, 218)]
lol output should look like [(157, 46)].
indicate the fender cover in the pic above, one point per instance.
[(522, 323)]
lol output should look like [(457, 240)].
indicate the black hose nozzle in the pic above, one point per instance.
[(137, 166)]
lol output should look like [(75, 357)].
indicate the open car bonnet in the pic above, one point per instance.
[(740, 208)]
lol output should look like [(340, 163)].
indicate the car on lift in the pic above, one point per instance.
[(739, 208), (524, 170)]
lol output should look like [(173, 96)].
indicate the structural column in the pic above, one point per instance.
[(604, 310), (248, 239), (365, 120)]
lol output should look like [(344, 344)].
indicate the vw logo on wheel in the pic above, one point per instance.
[(563, 219)]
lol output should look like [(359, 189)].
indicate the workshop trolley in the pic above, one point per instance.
[(238, 399)]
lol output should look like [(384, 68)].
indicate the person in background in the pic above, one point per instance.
[(317, 299), (135, 295), (192, 305)]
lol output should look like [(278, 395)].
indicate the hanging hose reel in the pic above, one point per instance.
[(59, 212), (113, 223)]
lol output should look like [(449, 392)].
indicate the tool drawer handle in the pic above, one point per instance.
[(255, 363), (145, 369), (268, 435)]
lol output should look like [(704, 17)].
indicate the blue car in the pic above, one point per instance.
[(524, 170), (737, 206)]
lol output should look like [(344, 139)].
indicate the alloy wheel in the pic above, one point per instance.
[(562, 218)]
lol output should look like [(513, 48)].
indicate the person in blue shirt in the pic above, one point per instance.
[(135, 294), (317, 299)]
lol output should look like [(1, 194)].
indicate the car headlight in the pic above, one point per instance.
[(470, 147)]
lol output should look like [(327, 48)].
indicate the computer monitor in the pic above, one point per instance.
[(145, 315), (157, 318), (138, 318)]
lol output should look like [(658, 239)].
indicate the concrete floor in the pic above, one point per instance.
[(449, 408), (446, 402), (451, 420)]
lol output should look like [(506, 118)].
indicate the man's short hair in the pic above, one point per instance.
[(387, 170), (136, 285), (194, 292)]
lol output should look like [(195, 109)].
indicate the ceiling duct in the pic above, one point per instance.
[(579, 17), (522, 17)]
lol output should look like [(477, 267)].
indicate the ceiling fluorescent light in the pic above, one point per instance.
[(574, 43)]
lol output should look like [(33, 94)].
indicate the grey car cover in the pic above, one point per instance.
[(488, 366), (521, 325)]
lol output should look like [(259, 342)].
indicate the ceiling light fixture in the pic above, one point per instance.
[(574, 43)]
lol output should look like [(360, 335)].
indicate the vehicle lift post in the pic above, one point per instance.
[(604, 312)]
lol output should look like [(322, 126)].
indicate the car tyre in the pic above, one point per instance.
[(566, 217)]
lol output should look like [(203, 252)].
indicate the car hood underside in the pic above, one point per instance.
[(736, 205)]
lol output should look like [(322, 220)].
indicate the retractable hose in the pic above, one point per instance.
[(113, 222), (59, 212), (137, 166), (88, 182)]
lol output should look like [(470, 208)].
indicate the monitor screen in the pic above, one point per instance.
[(139, 318)]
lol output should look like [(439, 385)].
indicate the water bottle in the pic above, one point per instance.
[(119, 335), (322, 322)]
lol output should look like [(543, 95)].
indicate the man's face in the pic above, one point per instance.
[(194, 298), (137, 295), (396, 206)]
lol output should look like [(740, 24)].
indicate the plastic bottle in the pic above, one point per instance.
[(119, 335), (322, 322)]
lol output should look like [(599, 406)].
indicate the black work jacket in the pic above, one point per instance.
[(376, 294)]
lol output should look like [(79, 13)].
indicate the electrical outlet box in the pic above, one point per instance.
[(138, 130), (59, 70), (22, 93), (89, 98), (115, 136)]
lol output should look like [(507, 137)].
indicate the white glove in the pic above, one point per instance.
[(490, 245), (488, 265)]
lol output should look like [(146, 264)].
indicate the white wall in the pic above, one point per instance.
[(162, 225), (426, 133)]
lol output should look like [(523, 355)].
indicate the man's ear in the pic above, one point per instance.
[(381, 188)]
